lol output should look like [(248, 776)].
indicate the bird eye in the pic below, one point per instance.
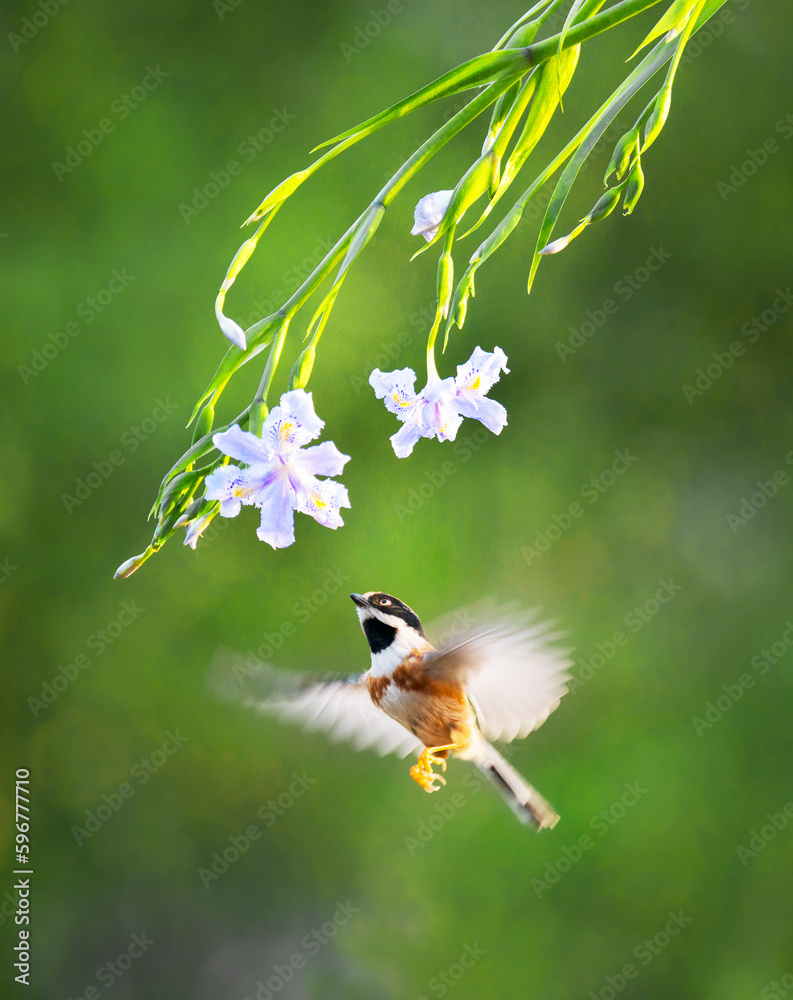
[(384, 601)]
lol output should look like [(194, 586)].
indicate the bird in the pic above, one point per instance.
[(493, 679)]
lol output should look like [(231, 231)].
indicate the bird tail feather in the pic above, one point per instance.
[(522, 798)]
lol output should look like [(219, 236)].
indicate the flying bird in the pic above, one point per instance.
[(498, 680)]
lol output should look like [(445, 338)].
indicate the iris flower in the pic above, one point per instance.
[(280, 473), (438, 410)]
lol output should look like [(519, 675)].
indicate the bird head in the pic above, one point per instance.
[(389, 624)]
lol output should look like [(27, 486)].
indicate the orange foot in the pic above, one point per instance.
[(422, 772)]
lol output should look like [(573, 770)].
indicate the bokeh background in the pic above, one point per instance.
[(426, 879)]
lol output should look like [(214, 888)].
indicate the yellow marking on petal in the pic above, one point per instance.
[(285, 430), (476, 383), (242, 491), (401, 400), (318, 501)]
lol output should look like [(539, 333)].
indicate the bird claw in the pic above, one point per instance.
[(422, 772)]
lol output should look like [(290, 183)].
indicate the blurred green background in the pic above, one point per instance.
[(539, 915)]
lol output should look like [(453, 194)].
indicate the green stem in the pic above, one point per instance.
[(384, 197), (258, 411), (581, 32)]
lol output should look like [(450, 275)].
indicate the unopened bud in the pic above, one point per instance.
[(203, 425), (633, 189), (621, 157), (301, 373), (278, 195), (658, 117), (128, 568), (605, 204), (445, 283)]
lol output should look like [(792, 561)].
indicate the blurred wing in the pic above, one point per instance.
[(340, 707), (512, 673)]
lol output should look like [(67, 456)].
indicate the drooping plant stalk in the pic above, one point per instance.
[(523, 80)]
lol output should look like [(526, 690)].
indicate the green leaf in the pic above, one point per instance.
[(551, 84), (593, 130), (677, 13), (474, 73)]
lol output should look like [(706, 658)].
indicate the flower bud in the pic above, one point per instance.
[(658, 117), (301, 373), (465, 288), (128, 568), (606, 204), (622, 154), (278, 195), (203, 426), (445, 283), (634, 188)]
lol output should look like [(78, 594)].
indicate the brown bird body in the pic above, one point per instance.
[(498, 680)]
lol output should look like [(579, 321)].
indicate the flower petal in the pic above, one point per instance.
[(404, 441), (223, 484), (428, 214), (242, 445), (440, 416), (492, 414), (291, 424), (322, 459), (277, 526), (322, 500), (395, 389), (481, 371)]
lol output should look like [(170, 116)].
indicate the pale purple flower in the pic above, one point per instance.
[(280, 473), (428, 214), (438, 410)]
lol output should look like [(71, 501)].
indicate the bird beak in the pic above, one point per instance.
[(360, 600)]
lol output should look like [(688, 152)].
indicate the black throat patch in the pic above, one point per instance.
[(378, 634)]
